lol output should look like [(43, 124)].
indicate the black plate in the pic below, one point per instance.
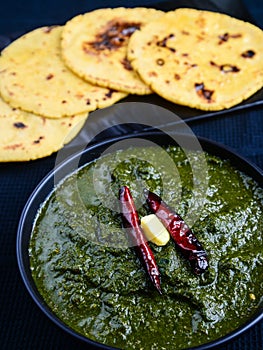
[(233, 8), (93, 152)]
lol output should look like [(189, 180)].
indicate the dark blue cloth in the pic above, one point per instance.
[(22, 325), (17, 16)]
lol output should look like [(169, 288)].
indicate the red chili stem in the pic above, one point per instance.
[(182, 235), (131, 222)]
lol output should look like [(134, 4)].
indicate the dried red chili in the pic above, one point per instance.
[(131, 222), (179, 231)]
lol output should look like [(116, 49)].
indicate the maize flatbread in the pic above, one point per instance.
[(33, 77), (94, 46), (201, 59), (25, 136)]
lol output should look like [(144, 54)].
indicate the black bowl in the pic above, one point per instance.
[(90, 153)]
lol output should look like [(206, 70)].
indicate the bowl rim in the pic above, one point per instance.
[(254, 171)]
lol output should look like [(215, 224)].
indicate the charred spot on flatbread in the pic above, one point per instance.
[(226, 67), (203, 92), (163, 42), (160, 61), (126, 64), (20, 125), (223, 38), (38, 140), (248, 54), (115, 34)]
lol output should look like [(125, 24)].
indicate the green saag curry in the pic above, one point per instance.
[(94, 282)]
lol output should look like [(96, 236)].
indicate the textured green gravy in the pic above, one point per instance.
[(94, 282)]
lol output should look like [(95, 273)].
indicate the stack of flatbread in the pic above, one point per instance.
[(43, 102), (53, 77)]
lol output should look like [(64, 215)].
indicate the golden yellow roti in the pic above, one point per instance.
[(94, 46), (199, 59), (33, 77), (25, 136)]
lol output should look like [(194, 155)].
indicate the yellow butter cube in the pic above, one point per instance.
[(154, 230)]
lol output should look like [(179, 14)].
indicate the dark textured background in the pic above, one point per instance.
[(22, 324)]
